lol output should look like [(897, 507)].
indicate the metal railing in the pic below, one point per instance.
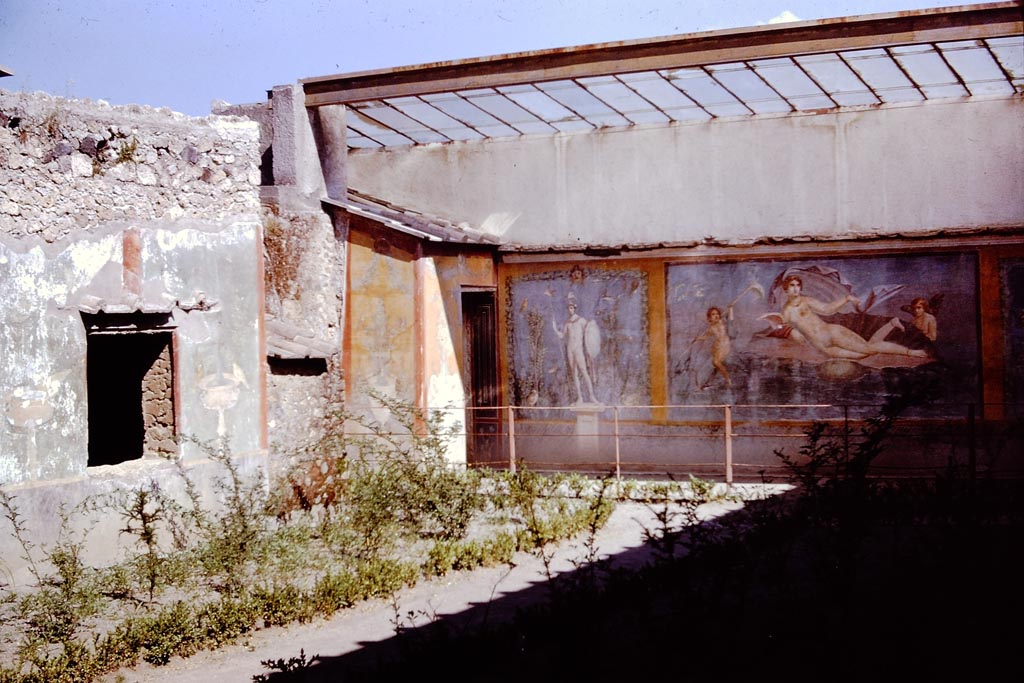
[(730, 440)]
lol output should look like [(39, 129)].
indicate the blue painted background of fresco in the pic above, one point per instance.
[(614, 300), (766, 369)]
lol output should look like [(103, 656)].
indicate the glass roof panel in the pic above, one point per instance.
[(583, 103), (792, 83), (620, 97), (1009, 53), (837, 79), (504, 109), (357, 141), (434, 118), (368, 128), (856, 77), (977, 67), (464, 111), (750, 88), (653, 86), (926, 67), (542, 106), (877, 69), (396, 120), (705, 91)]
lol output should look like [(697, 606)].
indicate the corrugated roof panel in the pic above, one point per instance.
[(745, 84), (620, 97), (707, 92), (662, 94), (434, 118), (357, 141), (813, 66), (877, 69), (577, 99), (837, 79)]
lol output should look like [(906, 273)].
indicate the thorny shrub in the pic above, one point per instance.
[(200, 573)]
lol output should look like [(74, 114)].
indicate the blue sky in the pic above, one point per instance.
[(183, 54)]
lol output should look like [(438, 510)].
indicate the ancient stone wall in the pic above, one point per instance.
[(126, 211), (303, 271), (139, 223), (158, 404), (67, 165), (304, 264)]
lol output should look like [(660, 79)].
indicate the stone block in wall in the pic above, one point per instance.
[(74, 165)]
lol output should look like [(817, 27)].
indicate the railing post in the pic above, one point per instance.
[(618, 465), (972, 453), (846, 433), (511, 440), (728, 444)]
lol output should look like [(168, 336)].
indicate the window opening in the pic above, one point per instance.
[(130, 380)]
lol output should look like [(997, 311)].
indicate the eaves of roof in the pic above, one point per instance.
[(416, 224)]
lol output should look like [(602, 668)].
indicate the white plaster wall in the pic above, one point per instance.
[(940, 165), (445, 390), (218, 349)]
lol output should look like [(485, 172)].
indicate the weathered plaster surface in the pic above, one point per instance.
[(886, 170), (444, 386), (382, 335), (44, 341), (446, 372), (79, 181), (118, 210)]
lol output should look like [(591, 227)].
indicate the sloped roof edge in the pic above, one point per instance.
[(418, 225), (292, 342)]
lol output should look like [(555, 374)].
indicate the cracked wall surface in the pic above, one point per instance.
[(115, 211)]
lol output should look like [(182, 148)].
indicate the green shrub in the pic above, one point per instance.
[(394, 509)]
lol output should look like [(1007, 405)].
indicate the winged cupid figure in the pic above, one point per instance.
[(582, 343), (924, 311)]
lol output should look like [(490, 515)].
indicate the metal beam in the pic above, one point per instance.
[(971, 22)]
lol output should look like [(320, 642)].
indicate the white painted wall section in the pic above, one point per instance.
[(949, 165)]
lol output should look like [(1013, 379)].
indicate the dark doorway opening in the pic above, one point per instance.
[(479, 324), (130, 380)]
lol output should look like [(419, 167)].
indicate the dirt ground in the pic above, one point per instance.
[(464, 599)]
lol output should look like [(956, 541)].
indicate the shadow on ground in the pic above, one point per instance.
[(849, 581)]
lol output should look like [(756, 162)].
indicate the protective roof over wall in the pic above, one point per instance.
[(415, 223), (801, 67), (292, 342)]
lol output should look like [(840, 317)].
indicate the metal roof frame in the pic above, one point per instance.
[(798, 67)]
